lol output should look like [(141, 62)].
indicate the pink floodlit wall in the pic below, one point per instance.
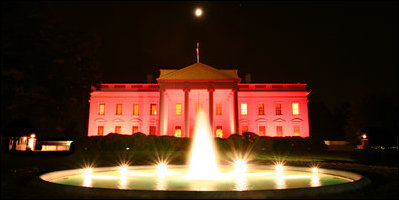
[(251, 94), (127, 120), (253, 120)]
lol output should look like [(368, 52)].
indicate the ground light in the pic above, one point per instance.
[(279, 168), (162, 169), (240, 166)]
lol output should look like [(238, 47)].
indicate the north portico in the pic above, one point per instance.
[(200, 82)]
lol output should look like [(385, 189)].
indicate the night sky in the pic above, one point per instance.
[(343, 50)]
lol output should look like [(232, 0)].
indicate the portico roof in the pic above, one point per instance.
[(198, 71)]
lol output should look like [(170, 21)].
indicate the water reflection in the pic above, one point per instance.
[(123, 177), (241, 182), (315, 182), (160, 183), (123, 182), (87, 180), (200, 185), (280, 181)]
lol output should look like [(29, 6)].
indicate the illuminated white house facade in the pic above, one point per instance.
[(170, 106)]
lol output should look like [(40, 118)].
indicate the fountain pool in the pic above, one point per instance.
[(174, 178), (204, 177)]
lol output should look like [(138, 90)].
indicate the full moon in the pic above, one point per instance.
[(198, 12)]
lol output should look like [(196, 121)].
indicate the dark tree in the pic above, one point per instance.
[(324, 124), (377, 116), (46, 71)]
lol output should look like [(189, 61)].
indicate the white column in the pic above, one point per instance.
[(236, 127), (161, 112), (211, 90), (186, 112)]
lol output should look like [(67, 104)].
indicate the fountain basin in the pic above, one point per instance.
[(257, 182)]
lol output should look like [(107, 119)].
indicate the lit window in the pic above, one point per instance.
[(219, 132), (118, 129), (100, 130), (118, 109), (153, 109), (135, 129), (198, 107), (135, 109), (244, 129), (101, 109), (178, 131), (278, 109), (295, 108), (279, 131), (178, 109), (152, 130), (261, 110), (244, 109), (262, 130), (218, 109), (296, 131)]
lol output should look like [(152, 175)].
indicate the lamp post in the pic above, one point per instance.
[(365, 141)]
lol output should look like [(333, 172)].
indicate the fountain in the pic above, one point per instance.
[(203, 163), (203, 174)]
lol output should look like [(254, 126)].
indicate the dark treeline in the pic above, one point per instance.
[(47, 69), (376, 116)]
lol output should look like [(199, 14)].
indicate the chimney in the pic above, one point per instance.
[(247, 78), (149, 78)]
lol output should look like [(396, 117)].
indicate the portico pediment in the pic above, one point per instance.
[(198, 71)]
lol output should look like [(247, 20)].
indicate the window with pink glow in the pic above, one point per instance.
[(152, 130), (295, 108), (244, 129), (118, 129), (135, 129), (178, 131), (153, 108), (279, 131), (218, 109), (262, 131), (278, 109), (219, 132), (261, 109), (136, 109), (101, 109), (100, 131), (296, 131), (178, 109), (118, 109), (244, 109)]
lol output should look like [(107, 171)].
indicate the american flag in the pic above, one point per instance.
[(197, 52)]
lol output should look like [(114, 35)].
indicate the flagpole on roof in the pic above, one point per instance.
[(197, 52)]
